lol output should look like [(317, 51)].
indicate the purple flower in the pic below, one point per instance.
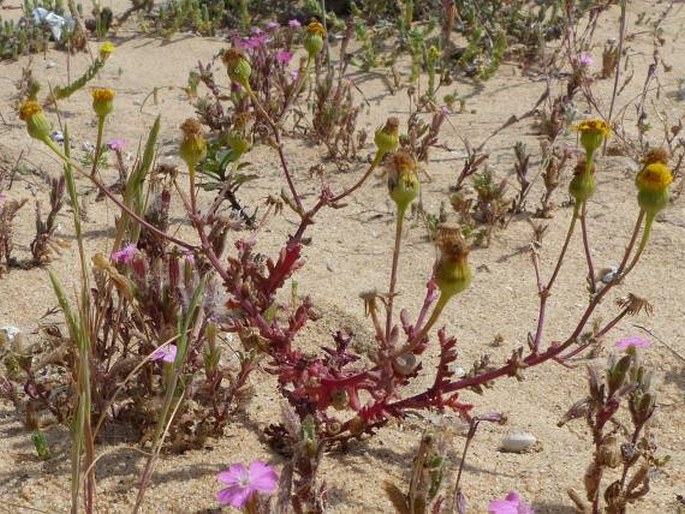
[(243, 483), (585, 60), (256, 31), (294, 74), (256, 41), (116, 144), (512, 504), (293, 24), (125, 255), (284, 57), (272, 25), (635, 341), (166, 353)]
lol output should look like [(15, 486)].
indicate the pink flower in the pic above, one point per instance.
[(635, 341), (294, 74), (512, 504), (272, 25), (166, 353), (585, 60), (284, 57), (243, 483), (256, 41), (125, 255), (116, 144), (293, 24)]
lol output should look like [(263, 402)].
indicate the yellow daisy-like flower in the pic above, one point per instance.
[(37, 125), (654, 177), (652, 183), (28, 109), (102, 101), (106, 50), (316, 28), (592, 134), (313, 39)]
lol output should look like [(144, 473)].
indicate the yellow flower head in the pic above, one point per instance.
[(313, 39), (592, 135), (28, 109), (102, 101), (598, 127), (106, 50), (654, 177), (37, 125), (316, 28)]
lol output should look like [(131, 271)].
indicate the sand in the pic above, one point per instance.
[(350, 253)]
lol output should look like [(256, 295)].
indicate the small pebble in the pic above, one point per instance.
[(609, 274), (8, 333), (517, 442), (50, 64), (87, 146), (57, 136)]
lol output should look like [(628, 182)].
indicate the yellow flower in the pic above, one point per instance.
[(313, 39), (37, 125), (102, 101), (652, 183), (654, 177), (106, 50), (592, 134)]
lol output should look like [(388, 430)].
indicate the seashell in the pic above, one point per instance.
[(517, 442)]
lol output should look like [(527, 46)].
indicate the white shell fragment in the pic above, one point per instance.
[(518, 442)]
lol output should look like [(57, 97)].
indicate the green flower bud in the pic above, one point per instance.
[(193, 146), (451, 270), (37, 125), (387, 139), (403, 181), (652, 183), (103, 101), (237, 67), (313, 39), (583, 183)]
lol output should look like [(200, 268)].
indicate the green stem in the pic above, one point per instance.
[(401, 211), (647, 231), (98, 145)]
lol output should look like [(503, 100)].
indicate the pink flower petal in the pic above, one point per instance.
[(165, 353), (263, 478), (636, 341), (234, 495)]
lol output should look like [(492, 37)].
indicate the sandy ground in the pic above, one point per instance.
[(350, 253)]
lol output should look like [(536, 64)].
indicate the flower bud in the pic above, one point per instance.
[(652, 183), (313, 39), (105, 50), (37, 125), (387, 139), (451, 270), (583, 183), (403, 180), (592, 134), (103, 101), (237, 67), (193, 147)]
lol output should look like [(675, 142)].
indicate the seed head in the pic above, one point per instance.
[(403, 180), (237, 67), (451, 270), (193, 147), (583, 183), (387, 139)]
